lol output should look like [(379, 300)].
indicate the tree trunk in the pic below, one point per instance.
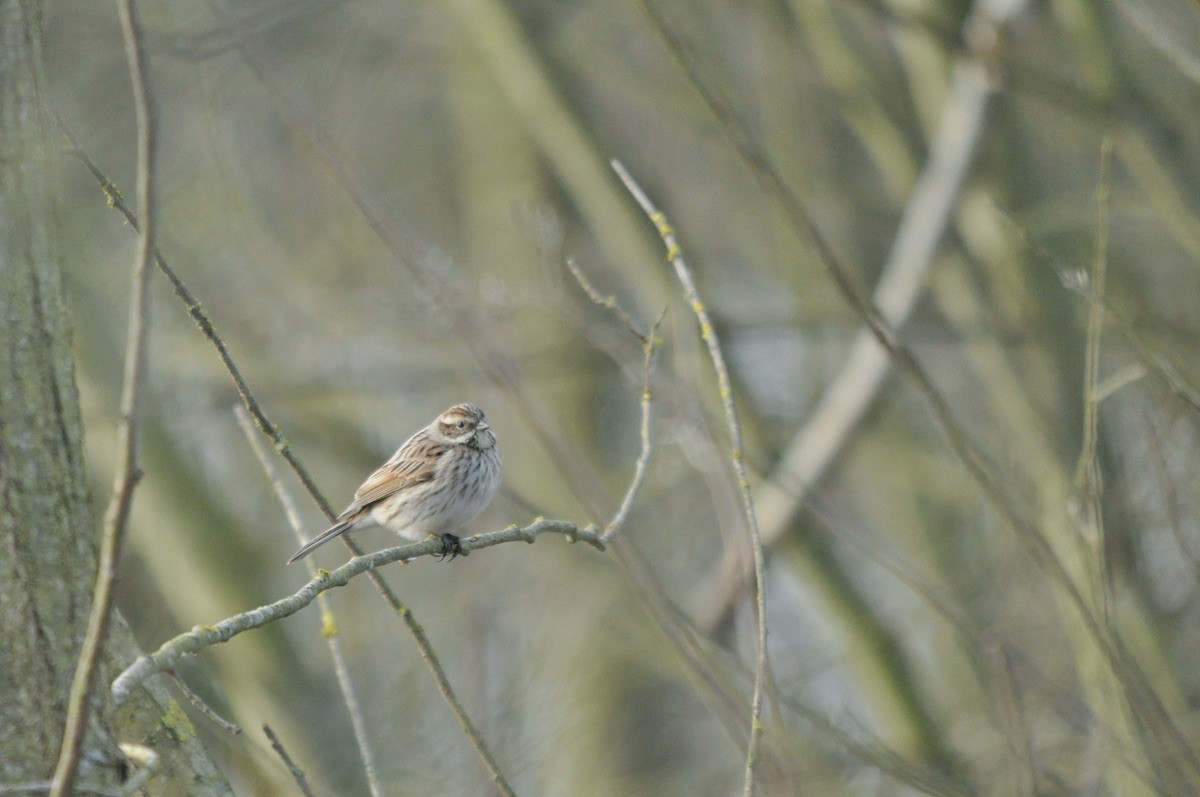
[(47, 532)]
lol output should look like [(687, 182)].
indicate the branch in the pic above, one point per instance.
[(725, 386), (609, 302), (128, 471), (650, 348), (328, 621), (297, 772), (275, 434), (203, 636), (650, 343), (117, 201), (208, 711)]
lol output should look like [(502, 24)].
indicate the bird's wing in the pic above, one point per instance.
[(409, 467)]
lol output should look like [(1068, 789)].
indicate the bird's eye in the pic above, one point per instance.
[(462, 424)]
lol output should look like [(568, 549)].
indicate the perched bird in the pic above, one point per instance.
[(441, 479)]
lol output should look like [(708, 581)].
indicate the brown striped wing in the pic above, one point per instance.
[(412, 465)]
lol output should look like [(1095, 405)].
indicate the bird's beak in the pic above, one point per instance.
[(483, 427)]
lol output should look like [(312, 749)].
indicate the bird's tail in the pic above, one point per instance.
[(321, 539)]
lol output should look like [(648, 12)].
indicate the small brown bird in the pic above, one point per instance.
[(442, 478)]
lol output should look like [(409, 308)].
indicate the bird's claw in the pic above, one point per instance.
[(451, 547)]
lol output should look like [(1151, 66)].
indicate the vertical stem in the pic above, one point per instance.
[(725, 386), (328, 620), (128, 471)]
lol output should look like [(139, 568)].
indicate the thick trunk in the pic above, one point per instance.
[(47, 532)]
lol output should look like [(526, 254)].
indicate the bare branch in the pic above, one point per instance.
[(297, 772), (205, 325), (609, 302), (128, 471), (650, 348), (203, 636), (204, 708), (328, 619), (725, 386)]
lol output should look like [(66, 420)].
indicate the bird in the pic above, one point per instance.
[(442, 478)]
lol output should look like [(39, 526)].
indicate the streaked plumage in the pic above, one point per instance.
[(442, 478)]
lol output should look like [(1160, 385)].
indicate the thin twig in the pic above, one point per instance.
[(128, 471), (1087, 474), (297, 772), (329, 624), (649, 348), (725, 387), (650, 344), (204, 708), (1147, 724), (1096, 574), (607, 301), (117, 201), (1154, 361), (202, 636), (672, 621)]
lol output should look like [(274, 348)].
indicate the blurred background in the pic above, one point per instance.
[(375, 201)]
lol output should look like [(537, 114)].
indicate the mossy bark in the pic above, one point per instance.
[(47, 530)]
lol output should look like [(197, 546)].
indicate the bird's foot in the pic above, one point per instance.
[(451, 547)]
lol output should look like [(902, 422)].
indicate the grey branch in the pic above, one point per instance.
[(203, 636), (297, 772)]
